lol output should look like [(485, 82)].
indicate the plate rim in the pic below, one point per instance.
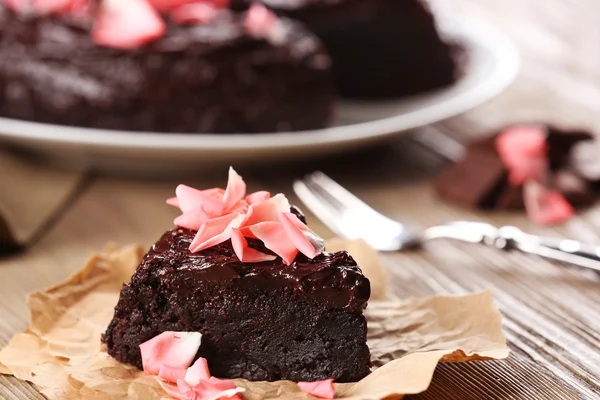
[(473, 32)]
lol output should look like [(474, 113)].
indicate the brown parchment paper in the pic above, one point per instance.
[(61, 351), (30, 196)]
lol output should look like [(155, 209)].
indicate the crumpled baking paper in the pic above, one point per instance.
[(62, 355)]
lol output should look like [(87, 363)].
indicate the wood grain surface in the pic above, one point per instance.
[(552, 312)]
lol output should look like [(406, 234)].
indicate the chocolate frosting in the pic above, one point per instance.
[(332, 280)]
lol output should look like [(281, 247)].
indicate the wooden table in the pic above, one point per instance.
[(552, 316)]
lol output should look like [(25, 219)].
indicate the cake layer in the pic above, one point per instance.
[(263, 321), (379, 48), (210, 77)]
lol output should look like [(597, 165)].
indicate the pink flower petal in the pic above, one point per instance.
[(268, 210), (54, 6), (213, 232), (173, 201), (169, 5), (235, 191), (244, 253), (197, 372), (215, 389), (190, 198), (194, 13), (259, 21), (171, 374), (275, 238), (545, 206), (192, 219), (523, 151), (127, 24), (175, 349), (185, 389), (173, 391), (258, 197), (295, 230), (322, 389)]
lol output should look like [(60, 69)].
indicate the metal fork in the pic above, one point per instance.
[(351, 218)]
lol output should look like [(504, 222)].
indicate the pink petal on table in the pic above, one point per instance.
[(275, 238), (545, 206), (173, 391), (268, 210), (322, 389), (214, 232), (171, 374), (244, 253), (186, 389), (192, 219), (194, 13), (214, 389), (258, 197), (197, 372), (176, 349), (259, 20), (127, 24), (297, 235), (235, 191)]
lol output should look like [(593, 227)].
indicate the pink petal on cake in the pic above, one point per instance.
[(186, 389), (244, 253), (259, 21), (275, 238), (169, 5), (235, 191), (293, 225), (127, 24), (173, 391), (192, 219), (190, 198), (176, 349), (523, 150), (171, 374), (322, 389), (173, 201), (194, 13), (213, 232), (545, 206), (54, 6), (197, 372), (268, 210), (258, 197)]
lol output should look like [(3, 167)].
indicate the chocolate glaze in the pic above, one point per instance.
[(333, 279), (198, 78)]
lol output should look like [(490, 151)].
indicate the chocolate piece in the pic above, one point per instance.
[(380, 48), (573, 187), (561, 142), (476, 180), (263, 321), (210, 77)]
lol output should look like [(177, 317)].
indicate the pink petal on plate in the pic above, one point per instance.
[(545, 206), (259, 20), (235, 191), (194, 13), (310, 244), (175, 349), (244, 253), (173, 391), (275, 238), (171, 374), (127, 24), (192, 219), (213, 233), (197, 372), (268, 210), (322, 389), (258, 197)]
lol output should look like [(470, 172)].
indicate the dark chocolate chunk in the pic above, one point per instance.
[(561, 142), (573, 187), (262, 321)]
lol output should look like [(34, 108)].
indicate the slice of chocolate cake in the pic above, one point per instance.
[(379, 48), (229, 73), (288, 311)]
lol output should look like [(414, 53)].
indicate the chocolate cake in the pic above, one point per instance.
[(270, 303), (379, 48), (213, 76)]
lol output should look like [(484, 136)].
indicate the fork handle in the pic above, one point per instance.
[(566, 250)]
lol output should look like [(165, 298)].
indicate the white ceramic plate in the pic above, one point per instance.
[(492, 64)]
